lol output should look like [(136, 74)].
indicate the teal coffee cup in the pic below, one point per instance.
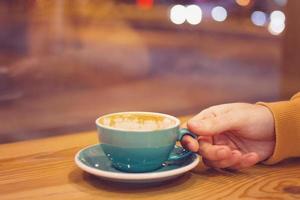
[(140, 141)]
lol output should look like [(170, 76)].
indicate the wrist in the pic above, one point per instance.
[(267, 123)]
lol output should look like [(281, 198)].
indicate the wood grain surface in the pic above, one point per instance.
[(44, 169)]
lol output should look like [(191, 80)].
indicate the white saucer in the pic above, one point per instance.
[(93, 160)]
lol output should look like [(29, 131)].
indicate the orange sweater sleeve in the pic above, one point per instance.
[(287, 128)]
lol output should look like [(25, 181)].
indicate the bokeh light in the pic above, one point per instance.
[(219, 13), (277, 22), (193, 14), (276, 29), (177, 14), (243, 2), (145, 4), (281, 2), (277, 16), (259, 18)]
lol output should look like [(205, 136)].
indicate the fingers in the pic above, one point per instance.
[(232, 160), (236, 161), (213, 125), (219, 156), (190, 143), (247, 160), (213, 152)]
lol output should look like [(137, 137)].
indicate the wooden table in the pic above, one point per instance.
[(44, 169)]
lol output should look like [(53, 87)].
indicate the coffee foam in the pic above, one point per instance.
[(137, 122)]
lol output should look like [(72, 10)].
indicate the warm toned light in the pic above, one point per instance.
[(193, 14), (243, 2), (277, 22), (145, 4), (276, 29), (277, 16), (177, 14)]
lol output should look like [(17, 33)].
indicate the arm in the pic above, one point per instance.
[(239, 135), (287, 129)]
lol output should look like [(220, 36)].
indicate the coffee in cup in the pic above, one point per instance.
[(139, 141)]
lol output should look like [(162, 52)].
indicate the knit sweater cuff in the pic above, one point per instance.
[(287, 129)]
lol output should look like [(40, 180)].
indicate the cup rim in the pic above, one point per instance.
[(138, 112)]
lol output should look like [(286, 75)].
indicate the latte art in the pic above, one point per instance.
[(137, 122)]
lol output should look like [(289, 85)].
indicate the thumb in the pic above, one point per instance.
[(213, 125)]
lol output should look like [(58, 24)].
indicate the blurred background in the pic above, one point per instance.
[(63, 63)]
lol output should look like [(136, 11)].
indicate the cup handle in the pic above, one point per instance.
[(180, 153)]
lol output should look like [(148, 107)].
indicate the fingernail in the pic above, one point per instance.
[(222, 153)]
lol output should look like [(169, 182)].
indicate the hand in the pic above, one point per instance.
[(233, 136)]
